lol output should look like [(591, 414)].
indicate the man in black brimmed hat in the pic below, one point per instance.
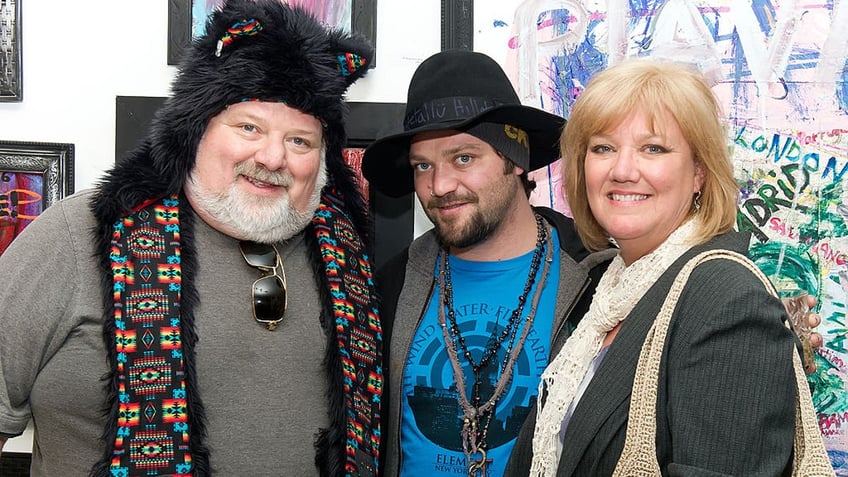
[(472, 309), (218, 278)]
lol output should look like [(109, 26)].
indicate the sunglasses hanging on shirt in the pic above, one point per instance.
[(269, 291)]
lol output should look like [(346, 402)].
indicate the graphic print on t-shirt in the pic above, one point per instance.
[(433, 400), (485, 294)]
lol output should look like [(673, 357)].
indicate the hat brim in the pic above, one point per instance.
[(386, 161)]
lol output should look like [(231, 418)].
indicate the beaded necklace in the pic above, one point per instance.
[(477, 417)]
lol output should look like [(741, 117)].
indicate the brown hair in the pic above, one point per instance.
[(639, 84)]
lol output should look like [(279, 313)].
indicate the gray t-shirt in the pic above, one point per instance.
[(264, 392)]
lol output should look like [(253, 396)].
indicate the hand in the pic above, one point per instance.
[(816, 340), (802, 321)]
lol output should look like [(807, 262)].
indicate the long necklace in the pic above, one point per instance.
[(477, 417)]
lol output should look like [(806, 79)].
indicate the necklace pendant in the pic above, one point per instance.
[(478, 463), (271, 325)]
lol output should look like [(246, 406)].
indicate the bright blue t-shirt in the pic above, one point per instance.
[(484, 296)]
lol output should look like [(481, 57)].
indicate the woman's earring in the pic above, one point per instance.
[(697, 201)]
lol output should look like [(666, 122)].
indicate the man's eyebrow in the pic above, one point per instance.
[(468, 147), (462, 148)]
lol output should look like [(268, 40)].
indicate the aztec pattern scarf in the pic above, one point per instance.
[(157, 415)]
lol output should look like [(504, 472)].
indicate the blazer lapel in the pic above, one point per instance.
[(609, 389)]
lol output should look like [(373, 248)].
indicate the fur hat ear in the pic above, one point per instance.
[(354, 56), (258, 49)]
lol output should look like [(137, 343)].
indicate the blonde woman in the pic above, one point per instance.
[(647, 165)]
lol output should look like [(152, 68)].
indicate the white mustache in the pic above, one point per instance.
[(261, 174)]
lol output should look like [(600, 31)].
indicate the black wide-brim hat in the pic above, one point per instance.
[(454, 90)]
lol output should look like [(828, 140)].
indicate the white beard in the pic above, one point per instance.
[(259, 219)]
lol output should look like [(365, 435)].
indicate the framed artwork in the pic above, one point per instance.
[(33, 176), (187, 18), (11, 83), (457, 24)]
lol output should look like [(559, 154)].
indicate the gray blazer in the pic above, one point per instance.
[(726, 402)]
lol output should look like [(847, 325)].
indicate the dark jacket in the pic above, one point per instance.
[(406, 284), (726, 396)]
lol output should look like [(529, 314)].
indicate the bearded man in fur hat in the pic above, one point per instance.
[(209, 306)]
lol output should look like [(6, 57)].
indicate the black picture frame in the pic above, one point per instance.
[(54, 162), (365, 122), (11, 71), (393, 217), (363, 22), (458, 25)]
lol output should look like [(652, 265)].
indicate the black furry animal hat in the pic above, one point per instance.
[(264, 50), (252, 49)]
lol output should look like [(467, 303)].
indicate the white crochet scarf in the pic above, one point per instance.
[(618, 291)]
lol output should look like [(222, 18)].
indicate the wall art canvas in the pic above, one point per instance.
[(334, 13), (187, 19)]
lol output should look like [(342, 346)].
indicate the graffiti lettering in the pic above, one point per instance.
[(756, 211), (831, 166), (838, 343), (744, 223), (814, 138), (828, 254), (787, 231), (788, 148), (831, 424), (790, 171), (825, 250), (832, 357)]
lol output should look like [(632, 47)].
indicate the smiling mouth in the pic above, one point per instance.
[(454, 205), (259, 183), (627, 197), (446, 203)]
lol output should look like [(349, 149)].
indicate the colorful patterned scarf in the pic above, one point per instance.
[(158, 428)]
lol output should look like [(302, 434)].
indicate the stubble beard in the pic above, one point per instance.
[(256, 218), (477, 227)]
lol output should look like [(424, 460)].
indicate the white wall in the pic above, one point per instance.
[(78, 56)]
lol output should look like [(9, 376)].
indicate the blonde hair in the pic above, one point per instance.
[(657, 89)]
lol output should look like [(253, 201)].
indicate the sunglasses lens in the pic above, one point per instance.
[(269, 298), (259, 254)]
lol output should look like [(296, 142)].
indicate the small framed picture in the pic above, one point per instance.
[(10, 51), (33, 176)]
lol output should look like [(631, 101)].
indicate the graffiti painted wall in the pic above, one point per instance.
[(779, 68)]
